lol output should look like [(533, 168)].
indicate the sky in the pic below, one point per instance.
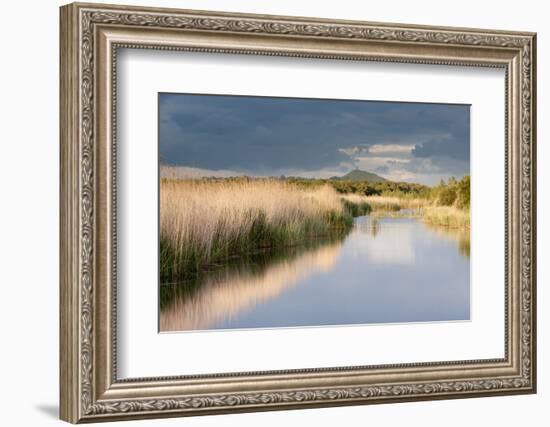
[(225, 135)]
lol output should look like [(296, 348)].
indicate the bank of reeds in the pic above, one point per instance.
[(447, 216), (203, 222), (387, 203), (427, 210), (207, 221), (356, 205)]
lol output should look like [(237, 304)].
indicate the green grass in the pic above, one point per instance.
[(357, 209), (179, 263)]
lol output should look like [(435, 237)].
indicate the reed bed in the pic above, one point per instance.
[(356, 205), (203, 222), (427, 210), (393, 203), (447, 216), (386, 206), (207, 221)]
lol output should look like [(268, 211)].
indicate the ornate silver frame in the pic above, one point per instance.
[(90, 36)]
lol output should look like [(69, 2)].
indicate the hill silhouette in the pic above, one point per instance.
[(360, 175)]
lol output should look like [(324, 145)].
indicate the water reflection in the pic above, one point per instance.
[(386, 270), (459, 235), (395, 245), (226, 292)]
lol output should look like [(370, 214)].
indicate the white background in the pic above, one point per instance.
[(141, 347), (29, 171)]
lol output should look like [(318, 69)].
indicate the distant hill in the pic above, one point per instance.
[(359, 175)]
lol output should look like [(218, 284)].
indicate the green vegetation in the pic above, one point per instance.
[(211, 220), (367, 188), (447, 204), (453, 193), (355, 209), (179, 262)]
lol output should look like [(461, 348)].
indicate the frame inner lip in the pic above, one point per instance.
[(330, 371)]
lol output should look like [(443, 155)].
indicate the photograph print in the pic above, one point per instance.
[(292, 212)]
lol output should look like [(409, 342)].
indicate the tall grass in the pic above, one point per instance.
[(386, 205), (206, 221), (395, 203), (356, 205), (429, 210), (447, 216), (203, 222)]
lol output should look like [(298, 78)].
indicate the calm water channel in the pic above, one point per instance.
[(384, 271)]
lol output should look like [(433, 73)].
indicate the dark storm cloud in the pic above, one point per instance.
[(454, 145), (263, 134)]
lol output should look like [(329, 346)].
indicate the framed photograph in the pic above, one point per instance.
[(266, 212)]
